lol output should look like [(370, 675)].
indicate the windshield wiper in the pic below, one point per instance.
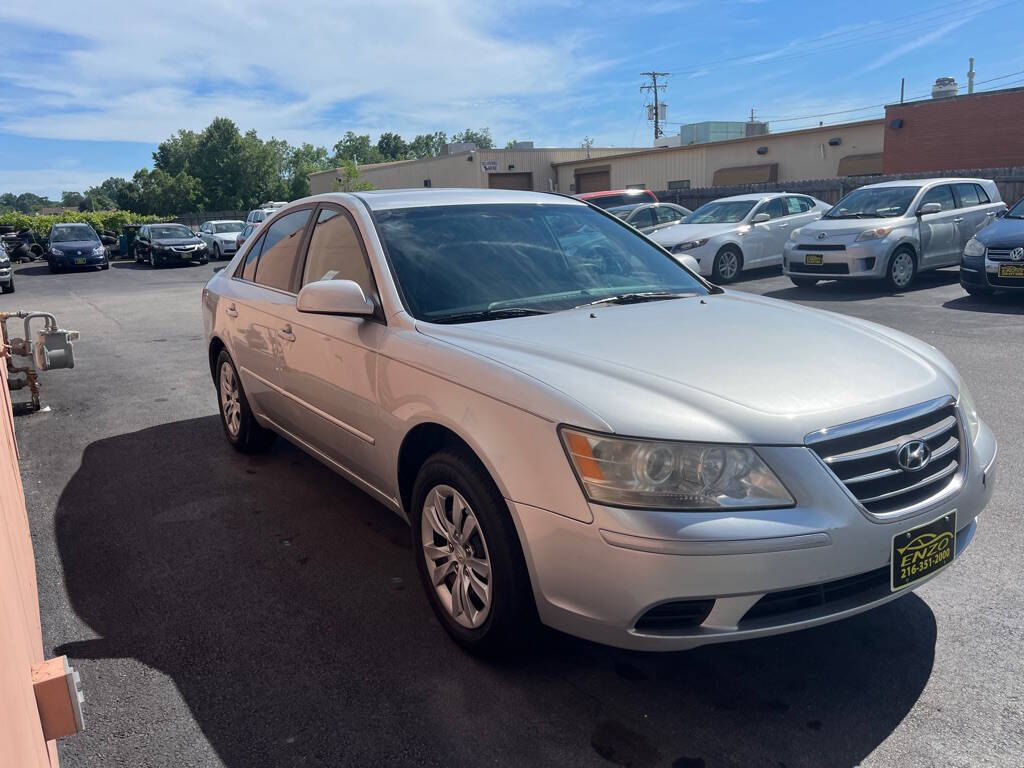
[(637, 298), (498, 313)]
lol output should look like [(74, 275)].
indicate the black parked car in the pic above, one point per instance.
[(993, 260), (75, 245), (169, 244)]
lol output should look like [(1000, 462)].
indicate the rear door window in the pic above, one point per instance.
[(644, 217), (666, 214), (280, 254), (968, 195), (982, 194)]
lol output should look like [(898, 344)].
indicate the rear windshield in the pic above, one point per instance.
[(874, 203), (72, 233)]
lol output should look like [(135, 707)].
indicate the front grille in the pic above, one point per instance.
[(184, 248), (820, 269), (816, 248), (675, 617), (999, 254), (863, 587), (864, 455)]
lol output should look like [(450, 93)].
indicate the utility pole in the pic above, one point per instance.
[(655, 88), (970, 76)]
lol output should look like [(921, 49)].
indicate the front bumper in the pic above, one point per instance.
[(984, 273), (6, 274), (840, 261), (597, 580), (66, 261), (180, 257)]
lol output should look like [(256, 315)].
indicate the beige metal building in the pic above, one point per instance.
[(519, 168), (850, 149)]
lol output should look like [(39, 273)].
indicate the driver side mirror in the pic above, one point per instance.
[(927, 208), (334, 297), (760, 218)]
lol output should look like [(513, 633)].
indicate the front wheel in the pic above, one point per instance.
[(902, 270), (216, 252), (240, 426), (152, 260), (804, 282), (468, 556), (727, 266)]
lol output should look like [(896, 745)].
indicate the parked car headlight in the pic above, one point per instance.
[(795, 234), (56, 251), (969, 411), (660, 474), (874, 234), (974, 248), (683, 247), (98, 251)]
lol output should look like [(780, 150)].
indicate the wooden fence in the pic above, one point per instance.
[(1010, 182)]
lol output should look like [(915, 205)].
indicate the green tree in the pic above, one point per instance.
[(302, 161), (481, 138), (349, 179), (391, 146), (177, 153), (95, 200), (165, 195), (358, 149), (125, 194), (428, 144), (71, 199)]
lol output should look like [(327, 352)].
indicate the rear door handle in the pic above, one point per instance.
[(231, 311), (783, 226), (286, 333)]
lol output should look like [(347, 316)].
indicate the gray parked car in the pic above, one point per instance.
[(493, 367), (6, 272), (650, 217), (892, 231)]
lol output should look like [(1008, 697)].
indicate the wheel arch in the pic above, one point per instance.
[(216, 345)]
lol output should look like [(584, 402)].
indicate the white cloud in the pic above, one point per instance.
[(918, 42)]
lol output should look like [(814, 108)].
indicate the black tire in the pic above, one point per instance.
[(204, 260), (216, 252), (512, 618), (152, 260), (896, 276), (977, 291), (105, 265), (722, 269), (804, 282), (249, 437), (9, 288)]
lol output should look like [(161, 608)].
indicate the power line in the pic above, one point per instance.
[(654, 87)]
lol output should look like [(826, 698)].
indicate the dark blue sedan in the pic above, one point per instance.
[(993, 260), (75, 245)]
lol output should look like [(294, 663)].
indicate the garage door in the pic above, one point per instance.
[(596, 181), (510, 181)]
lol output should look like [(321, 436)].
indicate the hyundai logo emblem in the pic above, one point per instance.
[(822, 235), (913, 456), (1017, 254)]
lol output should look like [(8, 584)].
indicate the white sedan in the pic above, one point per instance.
[(219, 237), (731, 234)]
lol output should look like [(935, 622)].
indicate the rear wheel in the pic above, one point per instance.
[(902, 270), (727, 266), (240, 426), (804, 282), (468, 555)]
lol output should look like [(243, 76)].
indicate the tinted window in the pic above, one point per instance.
[(968, 195), (643, 218), (775, 208), (336, 252), (449, 260), (248, 269), (982, 194), (281, 251), (941, 194), (666, 214)]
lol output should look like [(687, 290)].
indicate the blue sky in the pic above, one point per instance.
[(88, 89)]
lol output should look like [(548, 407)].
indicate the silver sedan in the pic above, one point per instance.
[(500, 369)]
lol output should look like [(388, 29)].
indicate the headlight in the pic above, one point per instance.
[(970, 412), (659, 474), (794, 234), (683, 247), (874, 234), (98, 251), (974, 248), (56, 251)]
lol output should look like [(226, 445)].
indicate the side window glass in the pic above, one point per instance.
[(775, 208), (942, 195), (247, 270), (666, 214), (968, 195), (806, 204), (983, 197), (281, 251), (793, 206), (644, 218), (336, 252)]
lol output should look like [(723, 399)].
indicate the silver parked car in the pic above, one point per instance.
[(741, 232), (220, 236), (650, 217), (892, 231), (492, 366)]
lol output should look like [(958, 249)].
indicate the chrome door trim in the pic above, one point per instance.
[(313, 409)]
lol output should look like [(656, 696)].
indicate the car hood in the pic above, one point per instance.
[(730, 367), (226, 237), (77, 245), (682, 233), (844, 229), (1003, 233), (171, 241)]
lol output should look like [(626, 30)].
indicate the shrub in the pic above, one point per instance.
[(113, 221)]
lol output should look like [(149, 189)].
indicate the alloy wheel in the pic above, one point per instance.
[(728, 265), (455, 551), (902, 269), (230, 399)]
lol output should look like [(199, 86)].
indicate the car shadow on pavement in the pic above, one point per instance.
[(284, 605), (1000, 304), (35, 269), (845, 290)]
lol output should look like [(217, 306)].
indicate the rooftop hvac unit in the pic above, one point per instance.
[(944, 87)]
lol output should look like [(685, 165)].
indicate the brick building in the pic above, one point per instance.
[(980, 130)]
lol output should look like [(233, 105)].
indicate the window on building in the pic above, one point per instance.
[(426, 182), (281, 251), (679, 184), (636, 186), (336, 252)]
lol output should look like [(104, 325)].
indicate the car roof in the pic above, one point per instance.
[(609, 192), (755, 196), (385, 199), (224, 221), (924, 182)]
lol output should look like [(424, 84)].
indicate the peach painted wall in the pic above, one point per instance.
[(21, 644)]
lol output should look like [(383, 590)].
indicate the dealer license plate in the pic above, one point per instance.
[(813, 258), (79, 261), (1011, 270), (922, 551)]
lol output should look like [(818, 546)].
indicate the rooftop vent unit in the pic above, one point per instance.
[(944, 87)]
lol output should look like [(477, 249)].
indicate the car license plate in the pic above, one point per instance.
[(813, 258), (922, 551), (1011, 270), (79, 261)]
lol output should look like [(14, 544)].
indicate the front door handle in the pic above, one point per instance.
[(231, 311), (286, 333), (783, 226), (957, 221)]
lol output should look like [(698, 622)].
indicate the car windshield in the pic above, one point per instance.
[(720, 212), (453, 261), (874, 203), (228, 226), (169, 231), (1017, 212), (73, 233)]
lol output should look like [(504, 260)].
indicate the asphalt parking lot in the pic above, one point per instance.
[(259, 611)]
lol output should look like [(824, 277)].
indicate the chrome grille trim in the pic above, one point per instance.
[(863, 456), (999, 254)]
